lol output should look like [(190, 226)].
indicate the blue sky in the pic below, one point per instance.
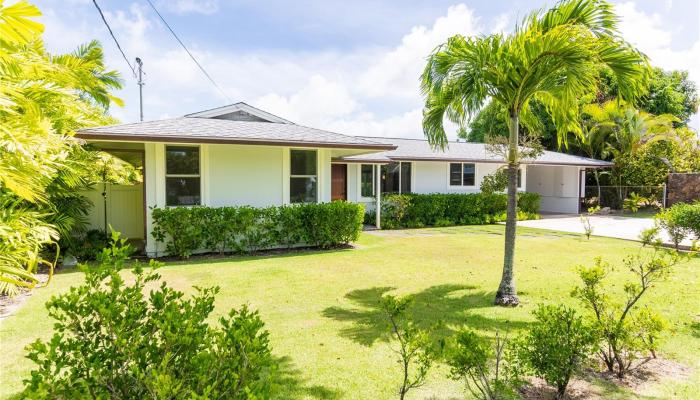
[(346, 66)]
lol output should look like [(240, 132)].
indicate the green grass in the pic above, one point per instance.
[(321, 307)]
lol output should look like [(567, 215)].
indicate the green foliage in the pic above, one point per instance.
[(495, 182), (248, 229), (556, 345), (415, 349), (671, 92), (624, 336), (680, 221), (44, 98), (481, 366), (142, 339), (634, 202), (89, 245), (419, 210)]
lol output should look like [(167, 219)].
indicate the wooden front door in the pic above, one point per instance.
[(339, 182)]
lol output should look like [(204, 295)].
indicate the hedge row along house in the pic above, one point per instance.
[(241, 155)]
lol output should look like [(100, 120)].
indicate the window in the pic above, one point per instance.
[(303, 178), (182, 179), (367, 172), (520, 179), (462, 174), (396, 177)]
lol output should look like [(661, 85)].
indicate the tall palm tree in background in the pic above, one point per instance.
[(552, 57)]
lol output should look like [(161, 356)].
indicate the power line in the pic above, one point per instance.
[(188, 52), (114, 37)]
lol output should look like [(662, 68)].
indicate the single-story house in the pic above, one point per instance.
[(241, 155)]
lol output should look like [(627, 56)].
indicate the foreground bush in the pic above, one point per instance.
[(482, 366), (415, 350), (247, 229), (418, 210), (115, 340), (556, 345), (626, 331)]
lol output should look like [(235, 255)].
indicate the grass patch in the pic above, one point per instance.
[(322, 312)]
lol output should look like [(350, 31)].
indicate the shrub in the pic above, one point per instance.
[(418, 210), (495, 182), (625, 333), (88, 245), (115, 340), (247, 229), (680, 221), (481, 366), (556, 345), (416, 353)]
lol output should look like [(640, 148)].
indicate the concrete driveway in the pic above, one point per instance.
[(613, 226)]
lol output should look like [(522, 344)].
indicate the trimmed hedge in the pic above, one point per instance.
[(244, 229), (418, 210)]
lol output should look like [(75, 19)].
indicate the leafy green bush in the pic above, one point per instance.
[(481, 366), (115, 339), (89, 245), (556, 345), (495, 182), (418, 210), (680, 221), (185, 230), (626, 333)]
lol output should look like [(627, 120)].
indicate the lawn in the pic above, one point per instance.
[(321, 307)]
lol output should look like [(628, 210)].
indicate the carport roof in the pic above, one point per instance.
[(420, 150)]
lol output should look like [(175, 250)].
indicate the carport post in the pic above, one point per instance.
[(377, 197)]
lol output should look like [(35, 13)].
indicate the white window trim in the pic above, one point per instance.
[(461, 175), (167, 175), (374, 182), (318, 171)]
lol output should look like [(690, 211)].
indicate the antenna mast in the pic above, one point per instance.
[(139, 63)]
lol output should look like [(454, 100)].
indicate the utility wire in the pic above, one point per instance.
[(188, 52), (114, 37)]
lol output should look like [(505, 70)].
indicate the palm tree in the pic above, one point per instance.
[(552, 57), (596, 129)]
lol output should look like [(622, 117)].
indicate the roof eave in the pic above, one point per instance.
[(218, 140)]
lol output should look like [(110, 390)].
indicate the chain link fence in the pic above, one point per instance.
[(614, 196)]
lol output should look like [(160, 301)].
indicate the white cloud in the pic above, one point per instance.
[(192, 6), (652, 36), (367, 91)]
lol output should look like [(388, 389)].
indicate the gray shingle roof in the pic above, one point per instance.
[(209, 130), (420, 150)]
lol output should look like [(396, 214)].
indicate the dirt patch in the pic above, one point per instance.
[(578, 389), (652, 371), (636, 381), (10, 304)]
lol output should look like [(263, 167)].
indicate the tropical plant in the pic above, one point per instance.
[(43, 99), (482, 366), (634, 202), (624, 336), (552, 57), (415, 350), (556, 345)]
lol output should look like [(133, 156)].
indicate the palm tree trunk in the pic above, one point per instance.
[(506, 294)]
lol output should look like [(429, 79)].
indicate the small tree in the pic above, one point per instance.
[(586, 221), (624, 336), (556, 345), (416, 353), (481, 366)]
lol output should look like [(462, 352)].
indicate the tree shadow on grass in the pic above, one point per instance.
[(291, 385), (447, 306)]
